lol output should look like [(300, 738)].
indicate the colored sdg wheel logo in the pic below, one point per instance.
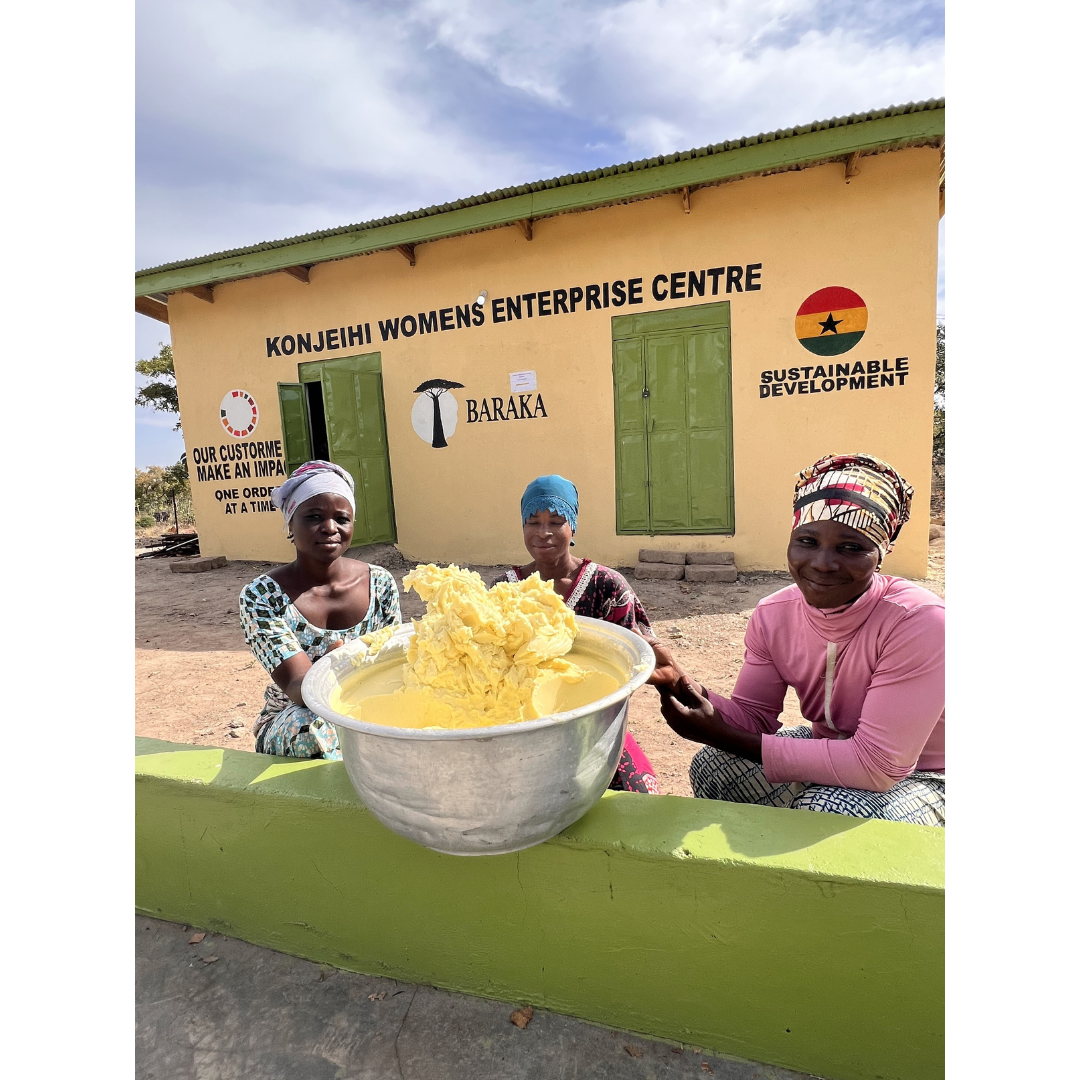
[(831, 321), (239, 413)]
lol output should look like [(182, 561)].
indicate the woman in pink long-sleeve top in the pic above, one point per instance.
[(865, 653)]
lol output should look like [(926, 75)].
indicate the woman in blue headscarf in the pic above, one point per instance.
[(549, 511)]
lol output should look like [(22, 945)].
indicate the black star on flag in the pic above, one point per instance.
[(830, 324)]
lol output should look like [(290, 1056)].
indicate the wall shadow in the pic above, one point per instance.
[(770, 830)]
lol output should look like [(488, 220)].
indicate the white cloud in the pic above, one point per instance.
[(667, 74), (287, 115), (150, 418), (156, 443), (260, 120), (150, 335)]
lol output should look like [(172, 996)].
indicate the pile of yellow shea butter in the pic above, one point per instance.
[(480, 657)]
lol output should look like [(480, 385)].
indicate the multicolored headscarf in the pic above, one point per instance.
[(311, 479), (858, 490), (552, 493)]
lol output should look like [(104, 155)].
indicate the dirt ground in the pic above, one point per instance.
[(197, 682)]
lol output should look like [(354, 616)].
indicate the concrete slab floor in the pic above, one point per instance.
[(257, 1013)]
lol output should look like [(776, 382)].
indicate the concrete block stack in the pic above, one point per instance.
[(196, 564), (660, 565), (704, 566), (711, 566)]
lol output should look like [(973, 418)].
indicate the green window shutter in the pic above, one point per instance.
[(340, 395), (294, 424), (669, 473), (375, 458), (673, 448), (356, 436), (708, 368), (631, 461)]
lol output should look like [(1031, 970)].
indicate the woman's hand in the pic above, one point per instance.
[(667, 673), (690, 714)]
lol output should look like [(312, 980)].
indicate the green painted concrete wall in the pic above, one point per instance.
[(806, 940)]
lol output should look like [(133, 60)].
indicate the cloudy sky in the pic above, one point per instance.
[(260, 120)]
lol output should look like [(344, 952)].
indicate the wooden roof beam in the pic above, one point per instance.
[(941, 184), (154, 309), (851, 165), (525, 225), (408, 251), (300, 273), (686, 200), (203, 292)]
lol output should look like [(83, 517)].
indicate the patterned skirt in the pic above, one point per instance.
[(634, 771), (286, 729), (716, 774)]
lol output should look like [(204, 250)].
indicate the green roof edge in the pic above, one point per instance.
[(915, 124)]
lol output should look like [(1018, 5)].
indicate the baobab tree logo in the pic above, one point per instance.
[(435, 412)]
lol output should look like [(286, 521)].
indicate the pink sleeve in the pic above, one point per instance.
[(903, 705), (758, 697)]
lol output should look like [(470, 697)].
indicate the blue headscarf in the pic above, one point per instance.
[(552, 493)]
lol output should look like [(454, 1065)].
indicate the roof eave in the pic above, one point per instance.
[(881, 134)]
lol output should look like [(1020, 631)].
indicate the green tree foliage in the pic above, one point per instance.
[(160, 394), (164, 490), (939, 396)]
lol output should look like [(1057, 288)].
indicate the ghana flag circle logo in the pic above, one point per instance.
[(831, 321)]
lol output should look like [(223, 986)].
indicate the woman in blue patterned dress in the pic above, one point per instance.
[(316, 603)]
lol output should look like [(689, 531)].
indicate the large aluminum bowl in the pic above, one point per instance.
[(485, 791)]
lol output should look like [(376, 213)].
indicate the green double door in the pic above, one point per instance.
[(335, 412), (673, 447)]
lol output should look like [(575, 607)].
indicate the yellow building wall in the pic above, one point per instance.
[(875, 234)]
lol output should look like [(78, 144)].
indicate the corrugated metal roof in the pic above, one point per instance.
[(564, 181)]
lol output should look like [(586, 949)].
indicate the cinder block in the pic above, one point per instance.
[(711, 558), (654, 555), (712, 573), (658, 571), (197, 564)]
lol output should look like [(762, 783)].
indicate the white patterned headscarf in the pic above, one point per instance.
[(311, 479), (858, 490)]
